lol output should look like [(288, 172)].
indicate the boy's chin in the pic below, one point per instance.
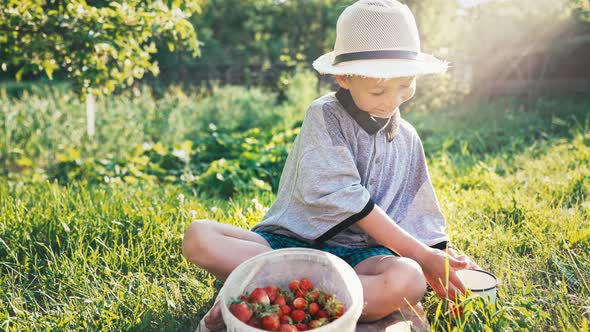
[(385, 115)]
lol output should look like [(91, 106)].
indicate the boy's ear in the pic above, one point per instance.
[(343, 81)]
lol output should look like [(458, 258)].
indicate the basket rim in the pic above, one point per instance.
[(353, 283)]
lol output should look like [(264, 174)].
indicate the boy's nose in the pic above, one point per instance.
[(394, 102)]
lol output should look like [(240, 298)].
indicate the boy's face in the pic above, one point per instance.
[(379, 97)]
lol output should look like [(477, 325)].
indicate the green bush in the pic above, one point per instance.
[(236, 108), (215, 163), (299, 90)]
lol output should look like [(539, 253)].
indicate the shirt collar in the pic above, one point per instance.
[(368, 122)]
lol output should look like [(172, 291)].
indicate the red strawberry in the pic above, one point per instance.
[(334, 308), (259, 295), (298, 315), (302, 327), (288, 328), (312, 296), (294, 285), (241, 310), (271, 323), (280, 300), (285, 309), (314, 324), (299, 303), (272, 291), (286, 319), (313, 308), (305, 284), (323, 298), (323, 314), (254, 322), (299, 293)]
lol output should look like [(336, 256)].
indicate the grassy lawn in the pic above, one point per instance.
[(514, 185)]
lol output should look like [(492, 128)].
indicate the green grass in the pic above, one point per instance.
[(515, 187), (103, 258)]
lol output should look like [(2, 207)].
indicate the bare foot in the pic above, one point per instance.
[(213, 320)]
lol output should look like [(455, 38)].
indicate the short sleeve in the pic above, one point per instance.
[(329, 184)]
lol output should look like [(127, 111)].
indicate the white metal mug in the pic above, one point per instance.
[(480, 283)]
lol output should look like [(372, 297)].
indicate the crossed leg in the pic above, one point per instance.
[(220, 248), (389, 282)]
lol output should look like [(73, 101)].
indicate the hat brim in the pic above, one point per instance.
[(381, 68)]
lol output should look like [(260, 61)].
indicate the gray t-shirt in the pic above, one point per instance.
[(342, 163)]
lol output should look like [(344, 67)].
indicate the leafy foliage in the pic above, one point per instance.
[(267, 32), (98, 47), (48, 121), (216, 163)]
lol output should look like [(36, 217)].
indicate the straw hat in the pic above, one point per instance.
[(378, 38)]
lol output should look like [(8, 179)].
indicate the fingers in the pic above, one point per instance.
[(443, 289), (456, 281), (460, 262), (440, 291), (470, 263), (462, 258), (454, 292), (451, 289)]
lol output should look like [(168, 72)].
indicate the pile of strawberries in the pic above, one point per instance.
[(300, 308)]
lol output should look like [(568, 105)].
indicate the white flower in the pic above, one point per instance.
[(181, 154), (257, 204), (181, 198)]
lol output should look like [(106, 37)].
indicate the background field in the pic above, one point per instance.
[(90, 236)]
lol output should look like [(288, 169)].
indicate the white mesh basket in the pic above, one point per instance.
[(279, 267)]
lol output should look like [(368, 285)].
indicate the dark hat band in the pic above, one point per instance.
[(376, 55)]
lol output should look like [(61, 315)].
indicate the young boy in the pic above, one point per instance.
[(355, 183)]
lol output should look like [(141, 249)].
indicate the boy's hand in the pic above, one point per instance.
[(470, 264), (434, 265), (464, 258)]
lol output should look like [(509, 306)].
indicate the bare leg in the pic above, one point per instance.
[(389, 283), (220, 248)]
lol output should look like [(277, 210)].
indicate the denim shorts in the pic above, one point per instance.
[(352, 256)]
